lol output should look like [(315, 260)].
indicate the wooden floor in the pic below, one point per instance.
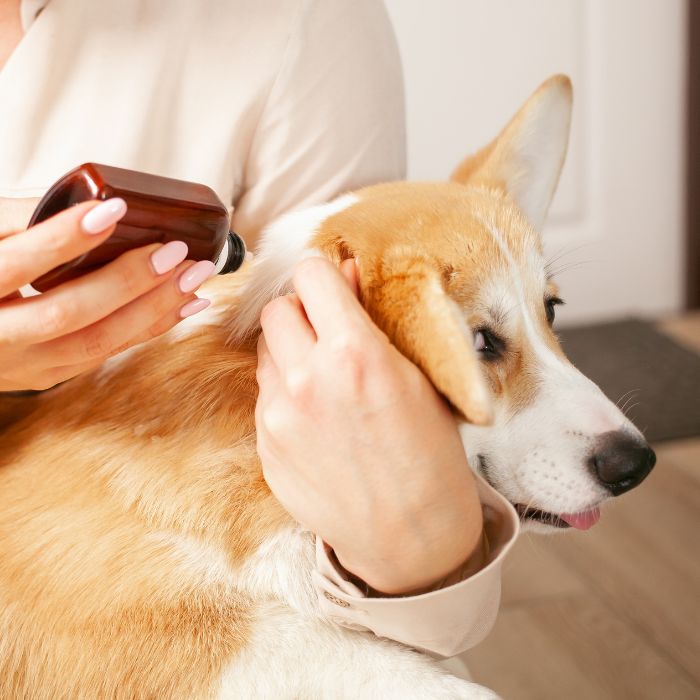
[(613, 613)]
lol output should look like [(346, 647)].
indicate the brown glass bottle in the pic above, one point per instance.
[(159, 210)]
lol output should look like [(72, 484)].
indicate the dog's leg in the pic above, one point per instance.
[(291, 656)]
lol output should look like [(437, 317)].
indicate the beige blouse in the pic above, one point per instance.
[(276, 105)]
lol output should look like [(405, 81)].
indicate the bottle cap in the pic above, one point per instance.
[(232, 255)]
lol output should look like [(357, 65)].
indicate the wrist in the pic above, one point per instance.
[(421, 564)]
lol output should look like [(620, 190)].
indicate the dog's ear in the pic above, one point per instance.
[(406, 299), (527, 156)]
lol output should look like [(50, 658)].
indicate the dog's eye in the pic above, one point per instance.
[(487, 344), (549, 305)]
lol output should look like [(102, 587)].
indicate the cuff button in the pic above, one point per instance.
[(337, 601)]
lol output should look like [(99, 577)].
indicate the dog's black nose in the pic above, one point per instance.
[(621, 461)]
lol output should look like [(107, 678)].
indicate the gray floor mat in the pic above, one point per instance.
[(632, 356)]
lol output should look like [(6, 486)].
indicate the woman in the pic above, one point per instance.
[(275, 105)]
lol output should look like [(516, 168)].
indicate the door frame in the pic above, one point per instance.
[(692, 269)]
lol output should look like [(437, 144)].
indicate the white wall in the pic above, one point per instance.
[(618, 215)]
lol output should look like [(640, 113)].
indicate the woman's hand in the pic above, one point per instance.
[(355, 442), (74, 327)]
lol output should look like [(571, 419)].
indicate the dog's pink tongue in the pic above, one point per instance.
[(582, 521)]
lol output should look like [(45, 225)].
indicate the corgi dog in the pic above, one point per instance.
[(142, 554)]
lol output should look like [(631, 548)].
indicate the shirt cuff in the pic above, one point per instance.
[(442, 622)]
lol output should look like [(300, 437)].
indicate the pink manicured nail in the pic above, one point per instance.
[(195, 275), (103, 215), (194, 307), (168, 256)]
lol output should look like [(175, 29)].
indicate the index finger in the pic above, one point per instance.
[(26, 256), (287, 332), (329, 302)]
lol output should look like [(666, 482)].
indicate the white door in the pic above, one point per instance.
[(618, 215)]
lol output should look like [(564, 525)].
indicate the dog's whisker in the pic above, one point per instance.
[(631, 396), (625, 407), (569, 266), (564, 251), (628, 410), (552, 269), (625, 395), (505, 314)]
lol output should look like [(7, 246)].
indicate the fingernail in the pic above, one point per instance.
[(103, 215), (195, 275), (168, 256), (194, 307)]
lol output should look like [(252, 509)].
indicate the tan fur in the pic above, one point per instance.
[(403, 270), (93, 604), (107, 470), (422, 244)]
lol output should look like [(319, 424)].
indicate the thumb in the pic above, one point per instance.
[(266, 373), (348, 268)]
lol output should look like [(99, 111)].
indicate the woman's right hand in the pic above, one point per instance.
[(73, 327)]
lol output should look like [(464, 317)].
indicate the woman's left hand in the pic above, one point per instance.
[(355, 442)]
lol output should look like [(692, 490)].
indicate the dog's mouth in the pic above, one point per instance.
[(540, 516), (583, 520)]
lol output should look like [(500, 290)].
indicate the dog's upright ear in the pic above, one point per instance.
[(527, 156), (406, 299)]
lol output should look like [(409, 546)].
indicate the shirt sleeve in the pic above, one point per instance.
[(334, 117), (443, 622)]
